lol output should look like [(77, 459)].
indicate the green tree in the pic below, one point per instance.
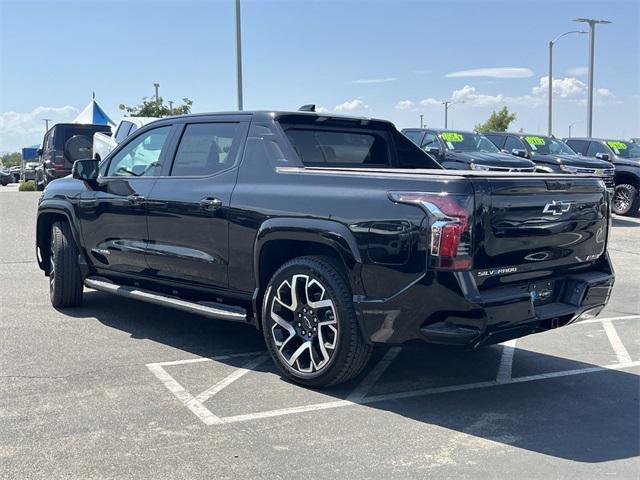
[(150, 108), (11, 159), (497, 122)]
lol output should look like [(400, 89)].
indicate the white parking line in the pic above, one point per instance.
[(225, 382), (374, 375), (598, 320), (359, 395), (621, 351), (506, 361)]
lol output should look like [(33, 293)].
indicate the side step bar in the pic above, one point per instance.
[(208, 309)]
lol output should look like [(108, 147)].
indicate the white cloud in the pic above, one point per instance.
[(365, 81), (578, 71), (22, 129), (605, 93), (567, 87), (430, 102), (322, 110), (495, 72), (351, 105), (405, 105)]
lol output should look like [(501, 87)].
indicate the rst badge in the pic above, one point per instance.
[(557, 208)]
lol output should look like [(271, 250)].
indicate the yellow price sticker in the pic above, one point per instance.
[(452, 137), (617, 145), (535, 140)]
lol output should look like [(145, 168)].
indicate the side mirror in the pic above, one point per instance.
[(435, 151), (86, 169), (603, 156), (519, 153)]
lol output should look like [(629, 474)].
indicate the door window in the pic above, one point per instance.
[(206, 149), (579, 146), (141, 156), (414, 136), (123, 131), (498, 140), (430, 141), (513, 142), (595, 148)]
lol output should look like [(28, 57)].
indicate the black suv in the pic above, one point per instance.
[(329, 234), (625, 156), (551, 155), (62, 145), (459, 150)]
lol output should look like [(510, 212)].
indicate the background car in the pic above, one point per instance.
[(62, 145), (104, 142), (551, 155), (459, 150), (625, 156), (5, 178)]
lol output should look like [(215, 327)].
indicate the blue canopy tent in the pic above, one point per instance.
[(93, 114)]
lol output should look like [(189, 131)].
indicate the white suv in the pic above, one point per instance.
[(104, 142)]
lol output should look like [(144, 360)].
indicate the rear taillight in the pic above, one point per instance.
[(449, 226)]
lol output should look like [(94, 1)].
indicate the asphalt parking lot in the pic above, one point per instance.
[(120, 389)]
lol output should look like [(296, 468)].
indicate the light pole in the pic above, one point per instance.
[(592, 33), (46, 124), (550, 95), (157, 85), (571, 125), (421, 123), (446, 104), (170, 107), (239, 55)]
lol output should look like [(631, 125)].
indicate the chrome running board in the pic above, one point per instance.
[(208, 309)]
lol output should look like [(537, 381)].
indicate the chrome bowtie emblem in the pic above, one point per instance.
[(557, 208)]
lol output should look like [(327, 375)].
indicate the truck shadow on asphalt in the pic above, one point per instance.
[(623, 222), (585, 418)]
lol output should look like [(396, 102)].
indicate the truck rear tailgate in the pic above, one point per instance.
[(537, 225)]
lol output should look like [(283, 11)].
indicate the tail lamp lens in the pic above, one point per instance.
[(449, 226)]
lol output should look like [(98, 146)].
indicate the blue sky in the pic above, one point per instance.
[(387, 59)]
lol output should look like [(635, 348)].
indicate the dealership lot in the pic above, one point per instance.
[(123, 389)]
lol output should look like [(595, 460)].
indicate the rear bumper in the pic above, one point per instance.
[(447, 308)]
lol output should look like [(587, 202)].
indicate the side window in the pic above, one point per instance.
[(595, 148), (430, 140), (49, 145), (513, 142), (134, 127), (324, 147), (414, 136), (140, 157), (497, 140), (578, 146), (123, 131), (206, 148)]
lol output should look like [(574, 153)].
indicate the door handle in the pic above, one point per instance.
[(210, 203), (136, 199)]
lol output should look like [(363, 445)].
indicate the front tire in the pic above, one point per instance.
[(309, 323), (65, 279), (625, 200)]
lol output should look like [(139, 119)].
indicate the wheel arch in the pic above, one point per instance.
[(623, 177), (282, 239), (48, 214)]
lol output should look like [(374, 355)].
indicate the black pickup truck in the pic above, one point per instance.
[(329, 234)]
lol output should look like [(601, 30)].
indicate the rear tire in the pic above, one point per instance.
[(309, 323), (65, 279), (626, 200)]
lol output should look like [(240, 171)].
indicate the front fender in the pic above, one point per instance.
[(49, 211)]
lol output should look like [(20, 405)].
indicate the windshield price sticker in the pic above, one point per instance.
[(617, 146), (535, 140), (452, 137)]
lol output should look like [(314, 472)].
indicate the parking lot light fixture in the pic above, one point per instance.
[(446, 104), (592, 33), (550, 86)]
